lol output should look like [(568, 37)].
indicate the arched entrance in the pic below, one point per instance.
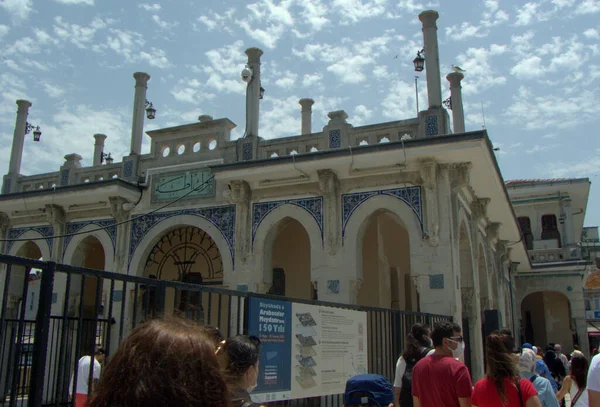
[(288, 247), (185, 254), (546, 318), (386, 279)]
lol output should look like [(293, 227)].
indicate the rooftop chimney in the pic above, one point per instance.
[(139, 111), (456, 104), (253, 92), (98, 148), (432, 57), (16, 153), (306, 115)]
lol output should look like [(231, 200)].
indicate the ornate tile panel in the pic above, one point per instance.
[(222, 217), (109, 225), (64, 177), (335, 138), (7, 185), (431, 125), (247, 151), (411, 196), (45, 231), (128, 168), (314, 206)]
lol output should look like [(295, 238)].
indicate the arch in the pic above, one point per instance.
[(138, 258), (266, 231), (103, 238), (41, 244), (546, 318), (358, 222), (484, 278)]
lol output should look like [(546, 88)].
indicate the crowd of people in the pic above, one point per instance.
[(179, 363)]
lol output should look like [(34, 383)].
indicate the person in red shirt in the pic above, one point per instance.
[(440, 380), (501, 386)]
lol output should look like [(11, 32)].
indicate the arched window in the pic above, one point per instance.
[(525, 226), (550, 228)]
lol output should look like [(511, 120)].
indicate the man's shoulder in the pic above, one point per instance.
[(595, 362)]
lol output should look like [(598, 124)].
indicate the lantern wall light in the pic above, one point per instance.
[(419, 61), (37, 133), (106, 157), (150, 110)]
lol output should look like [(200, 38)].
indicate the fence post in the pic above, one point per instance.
[(160, 298), (42, 328)]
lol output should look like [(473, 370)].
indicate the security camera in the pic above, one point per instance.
[(246, 74)]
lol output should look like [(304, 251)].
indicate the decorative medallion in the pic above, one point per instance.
[(247, 151), (411, 196), (314, 206)]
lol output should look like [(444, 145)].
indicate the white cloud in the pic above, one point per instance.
[(400, 101), (538, 148), (155, 57), (54, 91), (381, 72), (563, 3), (352, 11), (216, 21), (311, 79), (464, 31), (529, 13), (18, 9), (84, 2), (362, 115), (528, 68), (78, 35), (591, 33), (273, 20), (314, 14), (280, 117), (287, 80), (481, 71), (588, 7), (164, 25), (4, 29), (150, 7)]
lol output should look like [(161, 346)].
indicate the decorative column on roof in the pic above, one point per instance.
[(456, 103)]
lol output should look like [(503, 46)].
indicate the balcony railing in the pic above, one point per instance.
[(554, 255)]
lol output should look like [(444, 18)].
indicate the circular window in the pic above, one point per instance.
[(181, 149), (196, 147), (212, 145), (166, 151)]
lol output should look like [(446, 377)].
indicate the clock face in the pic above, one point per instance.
[(191, 184)]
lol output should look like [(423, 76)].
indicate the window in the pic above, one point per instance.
[(550, 228), (525, 226), (278, 287)]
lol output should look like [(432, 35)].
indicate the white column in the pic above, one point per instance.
[(432, 57), (19, 137), (253, 92), (98, 148), (306, 115), (139, 110), (458, 114)]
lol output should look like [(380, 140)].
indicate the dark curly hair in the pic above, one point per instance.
[(417, 339), (579, 370), (238, 354), (163, 363)]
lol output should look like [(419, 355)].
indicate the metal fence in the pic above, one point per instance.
[(53, 314)]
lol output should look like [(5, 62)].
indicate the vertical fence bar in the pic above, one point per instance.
[(135, 305), (109, 317), (122, 318), (5, 298), (79, 325), (230, 298), (160, 298), (94, 345), (42, 326)]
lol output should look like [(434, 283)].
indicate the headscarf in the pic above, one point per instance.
[(527, 361)]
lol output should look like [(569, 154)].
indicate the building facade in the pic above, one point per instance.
[(404, 214)]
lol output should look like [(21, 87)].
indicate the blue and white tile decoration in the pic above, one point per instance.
[(110, 226), (45, 231), (128, 168), (411, 196), (335, 138), (436, 281), (314, 206), (64, 177), (7, 186), (247, 151), (222, 217), (333, 286), (431, 125)]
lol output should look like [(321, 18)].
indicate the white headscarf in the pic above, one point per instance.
[(527, 361)]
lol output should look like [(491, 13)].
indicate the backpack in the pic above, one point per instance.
[(406, 399)]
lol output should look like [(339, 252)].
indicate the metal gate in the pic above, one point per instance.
[(47, 326)]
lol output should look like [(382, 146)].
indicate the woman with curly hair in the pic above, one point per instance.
[(502, 386), (418, 346), (576, 382), (163, 363)]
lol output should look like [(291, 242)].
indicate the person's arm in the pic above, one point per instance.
[(416, 402), (533, 401), (400, 369), (564, 389), (466, 402), (594, 397)]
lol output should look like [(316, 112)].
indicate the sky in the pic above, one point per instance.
[(532, 71)]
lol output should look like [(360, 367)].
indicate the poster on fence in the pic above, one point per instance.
[(307, 350)]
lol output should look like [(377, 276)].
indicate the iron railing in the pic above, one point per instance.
[(47, 324)]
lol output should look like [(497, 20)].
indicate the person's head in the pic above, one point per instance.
[(100, 355), (214, 333), (576, 347), (368, 390), (239, 360), (557, 349), (418, 338), (447, 338), (579, 370), (500, 360), (540, 351), (163, 363), (527, 361)]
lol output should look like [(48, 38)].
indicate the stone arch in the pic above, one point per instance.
[(42, 244), (267, 231), (138, 259), (103, 238), (358, 222), (483, 272), (546, 318)]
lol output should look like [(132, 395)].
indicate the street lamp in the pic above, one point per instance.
[(106, 157), (150, 110), (37, 133), (262, 92), (448, 103), (419, 61)]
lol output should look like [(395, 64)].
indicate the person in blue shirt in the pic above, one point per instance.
[(546, 393), (541, 368)]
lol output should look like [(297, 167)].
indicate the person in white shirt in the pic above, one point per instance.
[(593, 382), (418, 346), (83, 377)]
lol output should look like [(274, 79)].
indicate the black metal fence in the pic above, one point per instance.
[(52, 315)]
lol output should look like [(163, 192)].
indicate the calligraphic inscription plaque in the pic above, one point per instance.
[(196, 183)]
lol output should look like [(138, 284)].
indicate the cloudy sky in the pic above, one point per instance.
[(534, 67)]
